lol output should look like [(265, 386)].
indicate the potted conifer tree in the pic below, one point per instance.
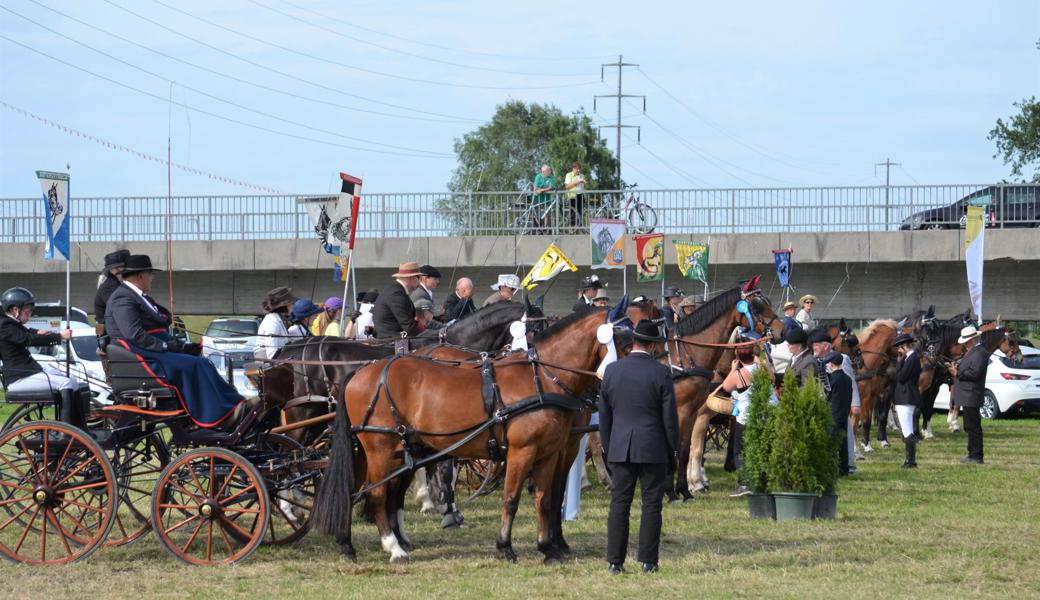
[(757, 445)]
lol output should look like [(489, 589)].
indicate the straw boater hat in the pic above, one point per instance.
[(279, 297), (789, 304), (407, 269), (968, 333), (508, 280), (807, 297)]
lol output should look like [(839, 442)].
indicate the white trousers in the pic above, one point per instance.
[(52, 378), (905, 413)]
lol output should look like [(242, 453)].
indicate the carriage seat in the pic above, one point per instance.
[(30, 397), (130, 375)]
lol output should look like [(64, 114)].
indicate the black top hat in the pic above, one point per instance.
[(819, 335), (796, 335), (646, 331), (674, 291), (138, 263), (590, 283), (116, 259), (903, 338), (429, 271)]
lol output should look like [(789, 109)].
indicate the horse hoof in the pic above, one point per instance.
[(407, 546), (399, 560), (507, 554), (347, 552), (690, 498), (453, 520), (552, 561)]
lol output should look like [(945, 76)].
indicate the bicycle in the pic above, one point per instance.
[(535, 217), (640, 216)]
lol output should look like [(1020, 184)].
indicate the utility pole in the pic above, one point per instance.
[(888, 164), (620, 64)]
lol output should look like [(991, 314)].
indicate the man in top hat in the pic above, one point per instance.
[(670, 311), (135, 321), (505, 287), (907, 396), (587, 292), (803, 363), (969, 388), (790, 308), (394, 311), (429, 279), (114, 264), (639, 428), (804, 316), (601, 298), (460, 302)]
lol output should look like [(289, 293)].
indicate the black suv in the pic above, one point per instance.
[(1010, 205)]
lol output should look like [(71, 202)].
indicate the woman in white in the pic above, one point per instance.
[(804, 316), (272, 333), (364, 324)]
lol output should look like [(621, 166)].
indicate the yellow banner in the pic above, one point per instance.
[(975, 223), (552, 263)]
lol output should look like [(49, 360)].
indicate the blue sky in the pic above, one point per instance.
[(749, 94)]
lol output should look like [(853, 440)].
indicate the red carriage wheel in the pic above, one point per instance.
[(58, 493), (210, 507), (137, 465), (292, 486)]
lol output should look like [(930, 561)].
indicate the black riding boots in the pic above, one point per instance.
[(910, 443)]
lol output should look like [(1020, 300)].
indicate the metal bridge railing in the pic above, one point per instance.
[(692, 211)]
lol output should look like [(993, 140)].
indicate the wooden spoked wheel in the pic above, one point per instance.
[(27, 413), (210, 507), (138, 465), (292, 487), (473, 472), (58, 493)]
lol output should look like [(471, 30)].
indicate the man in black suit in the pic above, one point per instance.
[(968, 389), (586, 293), (670, 312), (907, 396), (114, 263), (394, 311), (429, 279), (639, 428), (459, 303), (840, 399)]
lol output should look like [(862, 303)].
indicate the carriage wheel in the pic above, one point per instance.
[(27, 413), (291, 486), (210, 507), (138, 465), (58, 491)]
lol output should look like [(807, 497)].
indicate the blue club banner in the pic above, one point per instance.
[(56, 212), (782, 258)]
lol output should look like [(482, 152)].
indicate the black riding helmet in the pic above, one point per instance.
[(17, 297)]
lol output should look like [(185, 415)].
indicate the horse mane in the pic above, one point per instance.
[(990, 337), (553, 330), (489, 315), (709, 312), (873, 328)]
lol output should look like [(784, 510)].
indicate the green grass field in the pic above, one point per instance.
[(944, 530)]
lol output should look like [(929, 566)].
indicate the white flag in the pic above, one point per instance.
[(975, 237)]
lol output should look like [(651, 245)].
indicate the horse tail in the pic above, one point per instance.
[(333, 506)]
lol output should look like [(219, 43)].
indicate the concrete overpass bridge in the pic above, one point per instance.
[(849, 249)]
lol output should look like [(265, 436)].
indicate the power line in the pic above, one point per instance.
[(347, 65), (266, 87), (212, 114), (619, 95), (405, 52), (440, 47), (219, 99), (114, 146)]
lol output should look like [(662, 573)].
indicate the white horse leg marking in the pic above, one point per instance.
[(423, 494), (390, 544)]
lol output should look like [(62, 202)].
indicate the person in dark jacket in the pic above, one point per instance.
[(114, 263), (587, 292), (136, 322), (639, 428), (394, 312), (969, 387), (670, 312), (429, 279), (22, 373), (840, 399), (459, 303), (907, 396)]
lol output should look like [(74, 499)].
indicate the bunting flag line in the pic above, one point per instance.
[(608, 243), (552, 262), (693, 260), (782, 258), (56, 212), (649, 257), (974, 247)]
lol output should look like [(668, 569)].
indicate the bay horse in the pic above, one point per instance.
[(693, 355), (872, 360), (408, 407)]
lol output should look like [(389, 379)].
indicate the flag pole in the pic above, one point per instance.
[(346, 286), (68, 275)]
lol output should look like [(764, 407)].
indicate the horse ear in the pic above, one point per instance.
[(930, 313), (752, 284), (540, 302), (527, 304), (842, 326)]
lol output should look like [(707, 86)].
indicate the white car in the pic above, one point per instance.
[(85, 364), (1010, 385), (229, 335)]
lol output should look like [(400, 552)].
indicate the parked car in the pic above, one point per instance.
[(1012, 206), (238, 360), (85, 364), (1010, 385), (230, 335), (47, 315)]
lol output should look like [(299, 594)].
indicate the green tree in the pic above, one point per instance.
[(1018, 139), (510, 149), (758, 433)]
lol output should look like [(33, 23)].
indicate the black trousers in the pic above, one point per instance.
[(652, 479), (736, 446), (973, 427)]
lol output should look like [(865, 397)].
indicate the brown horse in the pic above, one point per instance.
[(408, 407), (874, 356), (693, 355)]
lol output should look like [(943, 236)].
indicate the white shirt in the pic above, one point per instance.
[(138, 291), (806, 319), (781, 355), (364, 320), (270, 336), (297, 331)]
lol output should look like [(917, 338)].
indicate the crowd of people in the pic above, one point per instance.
[(637, 414)]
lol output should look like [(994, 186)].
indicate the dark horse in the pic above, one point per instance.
[(408, 406)]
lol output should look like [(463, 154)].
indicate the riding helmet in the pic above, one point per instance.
[(17, 296)]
